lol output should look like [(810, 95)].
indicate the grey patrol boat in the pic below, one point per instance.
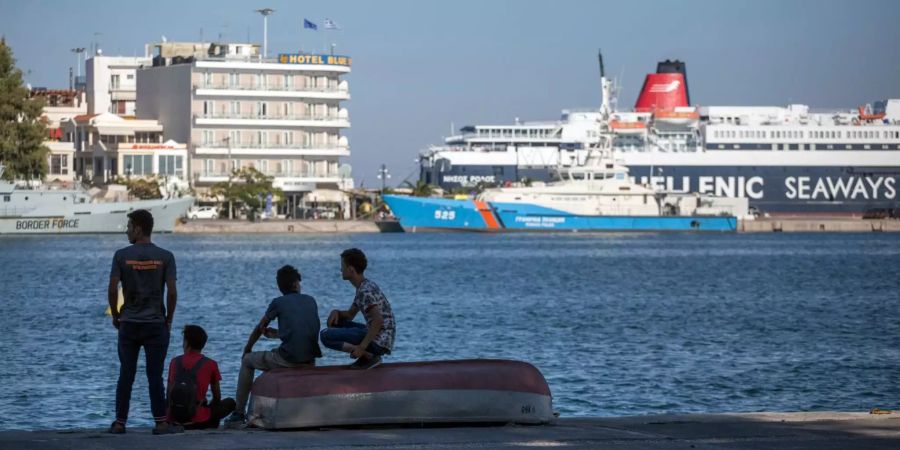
[(66, 211)]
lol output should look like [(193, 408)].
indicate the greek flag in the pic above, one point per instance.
[(310, 25), (330, 25)]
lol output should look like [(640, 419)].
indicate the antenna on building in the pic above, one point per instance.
[(266, 12)]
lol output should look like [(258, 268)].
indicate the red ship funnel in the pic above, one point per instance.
[(662, 91)]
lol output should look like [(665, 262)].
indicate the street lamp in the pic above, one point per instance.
[(266, 12), (383, 175)]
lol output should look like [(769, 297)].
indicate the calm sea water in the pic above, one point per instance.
[(618, 324)]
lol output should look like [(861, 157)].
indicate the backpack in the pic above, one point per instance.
[(183, 397)]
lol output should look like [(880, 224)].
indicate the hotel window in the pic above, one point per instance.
[(208, 166), (287, 137), (235, 108), (264, 166), (207, 78), (207, 137), (234, 137), (288, 82), (262, 138), (262, 109), (208, 108), (233, 79)]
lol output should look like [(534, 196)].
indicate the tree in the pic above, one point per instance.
[(141, 188), (421, 189), (22, 132), (248, 187)]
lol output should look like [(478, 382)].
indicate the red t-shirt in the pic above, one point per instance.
[(207, 373)]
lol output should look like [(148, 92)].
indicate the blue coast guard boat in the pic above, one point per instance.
[(594, 197)]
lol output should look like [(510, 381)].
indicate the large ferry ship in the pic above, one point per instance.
[(68, 211), (785, 160), (595, 194)]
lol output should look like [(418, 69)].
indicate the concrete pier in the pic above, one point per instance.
[(276, 226), (822, 430), (767, 225), (818, 225)]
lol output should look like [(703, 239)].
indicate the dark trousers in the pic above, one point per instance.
[(154, 338), (351, 333), (218, 411)]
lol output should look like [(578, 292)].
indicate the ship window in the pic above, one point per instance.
[(6, 198)]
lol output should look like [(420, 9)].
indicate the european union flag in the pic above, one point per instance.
[(310, 25)]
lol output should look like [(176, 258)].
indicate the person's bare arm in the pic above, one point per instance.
[(171, 301), (374, 328), (216, 391), (257, 332), (336, 315), (112, 295)]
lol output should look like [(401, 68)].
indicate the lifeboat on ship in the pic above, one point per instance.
[(464, 391), (866, 114), (679, 116), (619, 126)]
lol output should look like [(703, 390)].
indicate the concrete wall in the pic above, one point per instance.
[(164, 94)]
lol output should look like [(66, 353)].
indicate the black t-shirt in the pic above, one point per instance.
[(143, 269), (298, 327)]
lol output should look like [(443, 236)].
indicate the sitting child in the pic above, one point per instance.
[(190, 375)]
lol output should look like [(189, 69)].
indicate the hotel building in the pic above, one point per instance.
[(234, 109)]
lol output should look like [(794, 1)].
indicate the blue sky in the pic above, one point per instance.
[(419, 66)]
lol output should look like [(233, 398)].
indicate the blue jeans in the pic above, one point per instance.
[(154, 337), (351, 333)]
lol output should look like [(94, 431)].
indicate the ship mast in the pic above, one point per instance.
[(605, 89)]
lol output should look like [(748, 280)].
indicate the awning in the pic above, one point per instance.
[(325, 195)]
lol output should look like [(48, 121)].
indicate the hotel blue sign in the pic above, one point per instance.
[(331, 60)]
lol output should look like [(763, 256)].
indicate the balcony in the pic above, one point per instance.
[(122, 91), (272, 90), (281, 178), (275, 120), (219, 148)]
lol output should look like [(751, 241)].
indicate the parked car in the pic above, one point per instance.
[(204, 212)]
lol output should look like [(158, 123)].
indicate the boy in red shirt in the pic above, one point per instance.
[(207, 415)]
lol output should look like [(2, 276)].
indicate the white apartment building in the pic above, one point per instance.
[(111, 83), (60, 104), (108, 146), (282, 116)]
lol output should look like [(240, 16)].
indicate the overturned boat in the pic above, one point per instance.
[(464, 391)]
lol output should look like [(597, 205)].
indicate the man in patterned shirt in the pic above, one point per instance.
[(366, 342)]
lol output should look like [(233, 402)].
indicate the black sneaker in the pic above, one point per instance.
[(366, 363), (235, 421), (116, 428)]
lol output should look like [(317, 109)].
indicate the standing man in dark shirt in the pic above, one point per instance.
[(145, 271), (298, 329)]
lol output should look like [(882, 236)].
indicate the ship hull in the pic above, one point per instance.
[(430, 214), (838, 183), (96, 218)]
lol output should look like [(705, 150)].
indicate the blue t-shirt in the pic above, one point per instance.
[(143, 270), (298, 327)]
